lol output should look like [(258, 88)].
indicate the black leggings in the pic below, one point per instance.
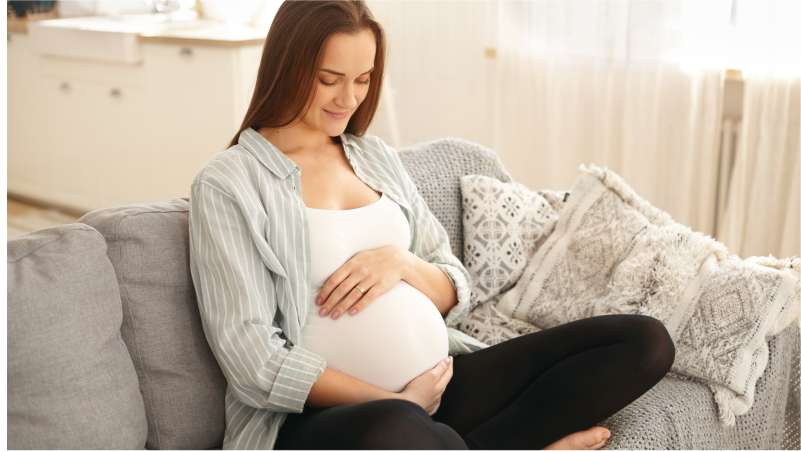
[(524, 393)]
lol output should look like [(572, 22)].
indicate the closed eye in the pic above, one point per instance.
[(361, 82)]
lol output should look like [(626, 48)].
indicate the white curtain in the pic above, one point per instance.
[(761, 214), (625, 84)]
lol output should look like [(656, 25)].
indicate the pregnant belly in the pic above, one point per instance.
[(397, 337)]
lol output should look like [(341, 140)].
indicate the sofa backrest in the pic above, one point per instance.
[(71, 383), (436, 167), (182, 386)]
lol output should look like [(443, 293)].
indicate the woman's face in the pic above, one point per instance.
[(342, 81)]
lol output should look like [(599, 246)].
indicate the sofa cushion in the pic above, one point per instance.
[(612, 252), (503, 222), (182, 385), (71, 382)]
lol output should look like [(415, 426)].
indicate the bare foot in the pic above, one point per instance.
[(592, 438)]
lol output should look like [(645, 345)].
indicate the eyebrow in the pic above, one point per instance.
[(341, 74)]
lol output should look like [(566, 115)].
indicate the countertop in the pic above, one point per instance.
[(207, 32), (212, 34)]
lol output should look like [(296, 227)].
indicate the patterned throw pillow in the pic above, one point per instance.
[(503, 224), (613, 252)]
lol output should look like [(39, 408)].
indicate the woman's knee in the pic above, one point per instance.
[(653, 338), (401, 424)]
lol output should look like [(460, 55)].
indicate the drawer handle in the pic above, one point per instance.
[(116, 92), (64, 86), (186, 51)]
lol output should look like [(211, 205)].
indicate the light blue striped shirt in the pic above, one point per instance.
[(250, 263)]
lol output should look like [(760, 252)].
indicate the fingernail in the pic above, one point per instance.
[(353, 311)]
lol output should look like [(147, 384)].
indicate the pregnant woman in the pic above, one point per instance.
[(328, 290)]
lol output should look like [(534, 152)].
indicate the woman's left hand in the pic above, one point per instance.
[(375, 271)]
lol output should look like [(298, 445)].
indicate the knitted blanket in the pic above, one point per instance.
[(613, 252)]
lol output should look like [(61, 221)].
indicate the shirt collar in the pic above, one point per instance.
[(271, 156)]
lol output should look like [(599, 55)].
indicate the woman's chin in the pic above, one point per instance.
[(334, 130)]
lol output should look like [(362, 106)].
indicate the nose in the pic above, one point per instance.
[(346, 99)]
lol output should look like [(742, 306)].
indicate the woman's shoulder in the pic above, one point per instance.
[(227, 169)]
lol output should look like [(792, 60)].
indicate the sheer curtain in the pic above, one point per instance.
[(761, 215), (616, 83), (638, 86)]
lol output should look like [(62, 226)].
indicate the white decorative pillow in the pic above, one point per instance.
[(613, 252), (503, 224)]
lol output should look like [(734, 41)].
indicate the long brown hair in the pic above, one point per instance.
[(292, 56)]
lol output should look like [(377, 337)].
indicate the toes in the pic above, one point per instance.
[(599, 445), (600, 436)]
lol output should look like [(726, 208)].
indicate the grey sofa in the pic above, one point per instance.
[(106, 347)]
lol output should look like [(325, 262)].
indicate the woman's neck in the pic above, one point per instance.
[(295, 140)]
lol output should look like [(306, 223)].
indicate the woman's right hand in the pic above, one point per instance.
[(426, 389)]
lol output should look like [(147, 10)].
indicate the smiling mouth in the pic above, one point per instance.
[(336, 115)]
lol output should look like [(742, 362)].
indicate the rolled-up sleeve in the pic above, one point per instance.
[(430, 241), (236, 300)]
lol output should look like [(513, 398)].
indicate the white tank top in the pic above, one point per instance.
[(401, 333)]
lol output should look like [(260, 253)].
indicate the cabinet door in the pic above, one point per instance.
[(25, 154), (89, 135), (61, 121), (93, 135), (191, 90), (118, 133)]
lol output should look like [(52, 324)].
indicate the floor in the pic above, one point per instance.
[(24, 218)]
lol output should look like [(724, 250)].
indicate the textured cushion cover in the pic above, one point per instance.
[(615, 253), (71, 383), (182, 385), (503, 224)]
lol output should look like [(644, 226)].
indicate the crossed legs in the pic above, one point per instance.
[(524, 393)]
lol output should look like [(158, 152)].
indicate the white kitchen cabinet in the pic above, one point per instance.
[(26, 161), (87, 134), (201, 100)]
